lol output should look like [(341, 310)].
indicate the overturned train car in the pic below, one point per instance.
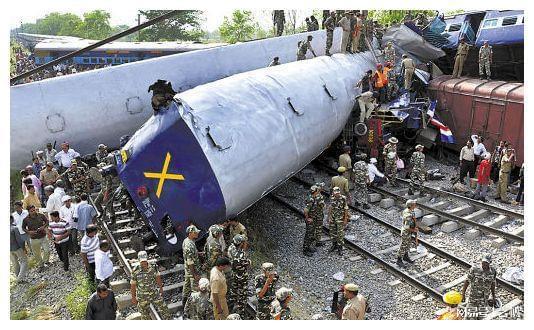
[(222, 146)]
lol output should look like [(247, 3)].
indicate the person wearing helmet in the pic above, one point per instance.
[(280, 306), (452, 299), (390, 160), (192, 267), (340, 181), (101, 153), (313, 215), (265, 284), (238, 255), (212, 247), (418, 172), (482, 279), (338, 215), (198, 306)]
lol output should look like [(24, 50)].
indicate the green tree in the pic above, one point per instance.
[(51, 24), (390, 17), (240, 28), (119, 28), (95, 25), (183, 26), (69, 24)]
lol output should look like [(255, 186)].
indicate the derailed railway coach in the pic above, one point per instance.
[(220, 147)]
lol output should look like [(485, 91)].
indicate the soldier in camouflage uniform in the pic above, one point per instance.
[(237, 253), (144, 289), (192, 267), (330, 25), (409, 226), (313, 214), (77, 176), (389, 53), (102, 153), (390, 160), (485, 56), (361, 180), (393, 87), (279, 19), (265, 290), (106, 190), (280, 306), (212, 247), (338, 215), (199, 306), (418, 173), (303, 47), (482, 279)]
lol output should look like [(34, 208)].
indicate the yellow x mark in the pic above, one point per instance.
[(163, 175)]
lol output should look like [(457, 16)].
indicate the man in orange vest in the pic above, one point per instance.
[(380, 82)]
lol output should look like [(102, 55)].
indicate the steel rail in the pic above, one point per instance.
[(442, 253), (495, 231), (95, 45)]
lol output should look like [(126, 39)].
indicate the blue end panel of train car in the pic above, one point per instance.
[(165, 158), (502, 28)]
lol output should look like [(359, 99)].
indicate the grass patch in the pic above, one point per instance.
[(39, 313), (34, 290), (32, 263), (77, 300), (15, 184), (20, 315)]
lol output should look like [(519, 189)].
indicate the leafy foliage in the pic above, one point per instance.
[(240, 28), (183, 26), (389, 17), (95, 25), (77, 300)]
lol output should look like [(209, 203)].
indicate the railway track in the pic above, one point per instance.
[(433, 272)]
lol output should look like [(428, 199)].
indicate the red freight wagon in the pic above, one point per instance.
[(495, 109)]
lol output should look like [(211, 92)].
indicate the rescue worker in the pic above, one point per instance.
[(101, 153), (238, 256), (357, 34), (212, 247), (104, 195), (192, 267), (317, 213), (198, 306), (418, 172), (356, 305), (313, 215), (280, 306), (482, 280), (340, 181), (380, 82), (367, 104), (329, 25), (485, 56), (344, 23), (265, 290), (144, 287), (303, 47), (507, 161), (461, 54), (390, 160), (393, 87), (77, 176), (452, 299), (279, 19), (361, 180), (275, 61), (407, 69), (338, 215), (409, 226), (346, 162)]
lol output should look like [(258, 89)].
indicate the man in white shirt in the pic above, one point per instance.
[(103, 264), (376, 178), (54, 200), (345, 25), (467, 161), (65, 157), (478, 148), (66, 213), (18, 216)]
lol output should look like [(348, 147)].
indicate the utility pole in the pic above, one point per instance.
[(138, 23)]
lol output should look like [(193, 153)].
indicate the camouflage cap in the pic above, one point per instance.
[(192, 229), (267, 266), (100, 146), (142, 256), (238, 239), (74, 162), (314, 188), (320, 184), (283, 293), (419, 146), (215, 230), (203, 284)]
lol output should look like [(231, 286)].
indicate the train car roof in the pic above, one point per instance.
[(72, 45)]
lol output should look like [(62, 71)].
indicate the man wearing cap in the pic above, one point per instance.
[(409, 226), (485, 56), (212, 247), (376, 178), (265, 290), (238, 255), (144, 286), (77, 177), (280, 306), (49, 175), (346, 162), (361, 180), (507, 161), (338, 215), (65, 157), (303, 47), (345, 25), (407, 69), (329, 25), (192, 267), (418, 172), (340, 181), (219, 288), (102, 153), (452, 299), (50, 153), (390, 160), (356, 304), (482, 279), (66, 213), (198, 306), (54, 202), (461, 55), (313, 215), (389, 53)]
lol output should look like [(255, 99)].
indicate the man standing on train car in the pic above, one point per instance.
[(330, 25), (338, 216), (461, 54), (507, 162), (191, 263), (407, 69), (485, 56)]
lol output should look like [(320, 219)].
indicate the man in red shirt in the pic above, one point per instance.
[(484, 171)]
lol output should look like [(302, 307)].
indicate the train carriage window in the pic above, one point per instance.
[(101, 60), (490, 23), (455, 27), (109, 60), (509, 20), (85, 60), (93, 60)]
